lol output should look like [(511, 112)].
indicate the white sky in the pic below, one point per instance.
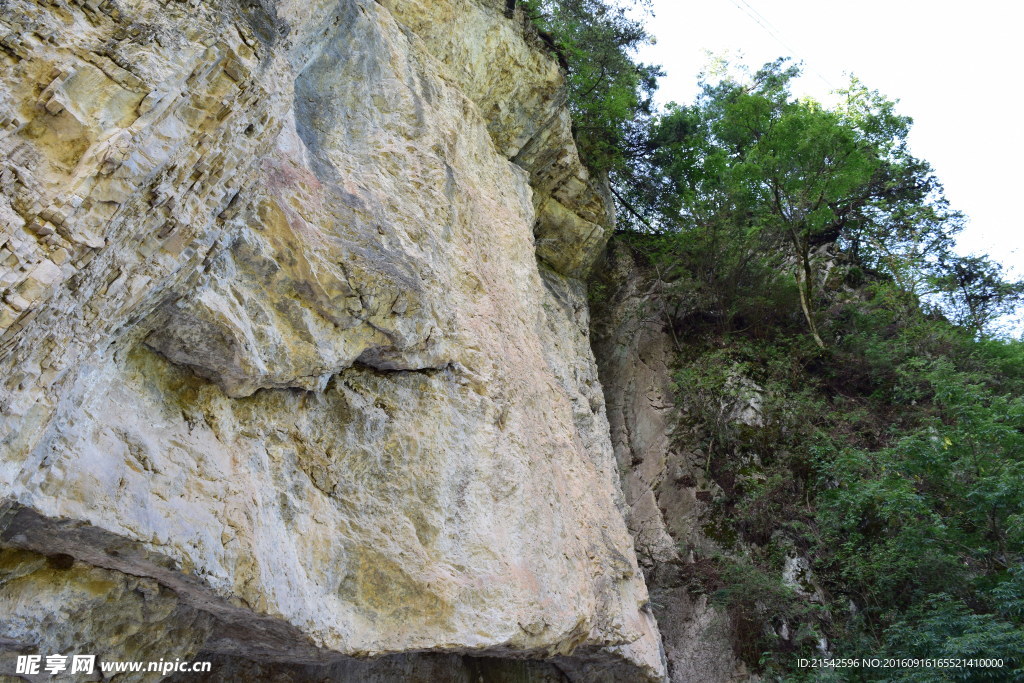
[(952, 66)]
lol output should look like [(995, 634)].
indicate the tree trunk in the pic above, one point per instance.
[(805, 283)]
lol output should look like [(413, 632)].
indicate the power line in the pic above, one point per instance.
[(770, 29)]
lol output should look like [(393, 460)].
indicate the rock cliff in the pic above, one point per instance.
[(296, 367), (663, 476)]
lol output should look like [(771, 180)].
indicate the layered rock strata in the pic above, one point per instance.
[(296, 358)]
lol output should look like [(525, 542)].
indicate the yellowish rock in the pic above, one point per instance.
[(289, 355)]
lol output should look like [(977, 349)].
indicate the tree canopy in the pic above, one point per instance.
[(758, 175), (771, 182)]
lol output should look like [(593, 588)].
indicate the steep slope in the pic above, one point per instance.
[(296, 364)]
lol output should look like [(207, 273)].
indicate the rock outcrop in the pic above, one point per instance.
[(662, 476), (295, 350)]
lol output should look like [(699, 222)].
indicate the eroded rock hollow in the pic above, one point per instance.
[(296, 368)]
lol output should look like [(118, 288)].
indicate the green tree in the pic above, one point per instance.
[(748, 169), (974, 292), (610, 94)]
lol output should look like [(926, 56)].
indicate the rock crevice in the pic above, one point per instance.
[(661, 477)]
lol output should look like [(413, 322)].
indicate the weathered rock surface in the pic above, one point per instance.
[(660, 477), (295, 360)]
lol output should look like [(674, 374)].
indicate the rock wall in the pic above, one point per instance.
[(295, 354), (661, 475)]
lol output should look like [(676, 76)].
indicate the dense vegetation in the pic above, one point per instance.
[(610, 95), (893, 460), (809, 258)]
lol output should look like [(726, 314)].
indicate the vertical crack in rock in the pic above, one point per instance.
[(660, 478)]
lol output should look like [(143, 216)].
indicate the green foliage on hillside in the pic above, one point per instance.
[(809, 255), (808, 258), (893, 460), (809, 261)]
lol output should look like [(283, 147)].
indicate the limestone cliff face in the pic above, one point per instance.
[(295, 354)]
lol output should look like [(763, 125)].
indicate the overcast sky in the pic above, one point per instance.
[(952, 66)]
